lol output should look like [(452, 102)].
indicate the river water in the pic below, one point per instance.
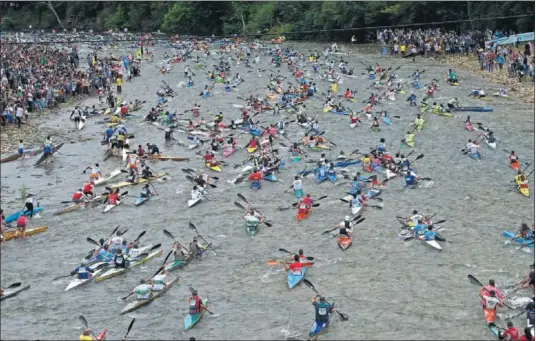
[(389, 288)]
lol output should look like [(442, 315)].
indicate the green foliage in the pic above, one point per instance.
[(248, 17)]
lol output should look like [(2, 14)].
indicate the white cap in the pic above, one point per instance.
[(346, 218)]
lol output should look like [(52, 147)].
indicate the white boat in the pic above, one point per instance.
[(75, 282), (193, 146), (353, 125), (107, 177), (198, 132), (389, 174), (192, 202), (356, 210), (492, 145), (82, 122), (246, 169), (109, 207), (432, 243)]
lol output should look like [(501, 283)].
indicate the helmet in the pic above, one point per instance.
[(194, 292), (347, 218)]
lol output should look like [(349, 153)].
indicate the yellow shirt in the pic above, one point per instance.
[(402, 48), (334, 87), (85, 338), (119, 82)]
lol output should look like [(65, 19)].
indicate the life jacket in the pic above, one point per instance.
[(77, 195), (194, 304), (87, 188), (22, 221)]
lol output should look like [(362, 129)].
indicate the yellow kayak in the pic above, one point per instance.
[(139, 181), (326, 109), (12, 234), (252, 149), (214, 168), (524, 191)]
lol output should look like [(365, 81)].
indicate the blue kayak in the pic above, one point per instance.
[(387, 120), (12, 217), (294, 278), (373, 193), (140, 200), (255, 185), (339, 112), (317, 329), (270, 177), (377, 169), (255, 132), (474, 109), (320, 178), (519, 240), (474, 156), (332, 177), (347, 163)]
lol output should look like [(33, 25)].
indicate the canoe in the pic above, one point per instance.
[(107, 177), (13, 293), (110, 207), (316, 329), (347, 163), (475, 109), (14, 233), (116, 271), (82, 122), (191, 320), (12, 157), (356, 210), (136, 304), (43, 157), (14, 216), (177, 264), (255, 185), (213, 168), (492, 145), (140, 200), (301, 216), (270, 177), (333, 111), (344, 242), (294, 278), (518, 240), (166, 158), (432, 243), (75, 282), (319, 148), (252, 149), (255, 132), (137, 182)]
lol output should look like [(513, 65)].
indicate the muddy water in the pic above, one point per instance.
[(390, 289)]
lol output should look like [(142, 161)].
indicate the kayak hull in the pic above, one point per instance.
[(136, 304), (9, 294), (301, 216), (140, 200), (191, 320), (317, 330), (14, 216), (518, 240), (8, 235), (116, 272), (344, 242), (294, 278)]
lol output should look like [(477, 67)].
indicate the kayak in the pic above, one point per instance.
[(255, 185), (339, 112), (136, 304), (166, 158), (82, 122), (75, 282), (193, 202), (386, 120), (432, 243), (192, 319), (514, 165), (301, 216), (213, 168), (228, 152), (43, 157), (107, 177), (321, 178), (474, 156), (255, 132), (347, 163), (518, 240), (137, 182), (373, 193), (252, 225), (344, 242), (294, 278), (494, 330), (316, 329), (14, 216), (140, 200), (270, 177), (119, 271), (110, 207), (252, 149), (319, 148), (356, 210), (492, 144), (177, 264), (524, 191), (468, 126), (9, 294), (125, 150), (332, 177), (389, 174), (475, 109), (353, 125), (14, 233)]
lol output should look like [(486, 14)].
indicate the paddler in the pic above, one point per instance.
[(473, 147), (197, 192), (146, 173), (153, 149), (78, 196), (414, 219), (528, 281), (418, 123), (86, 335), (380, 148), (47, 146), (143, 290), (89, 189), (322, 311), (297, 186), (113, 198), (195, 303), (295, 266), (104, 255), (83, 271), (120, 260), (195, 248), (180, 253), (511, 333), (430, 234), (30, 204), (489, 306), (409, 139), (256, 176), (410, 179), (95, 172), (348, 94), (146, 192), (491, 287), (527, 332), (116, 242), (514, 160), (305, 204), (375, 124), (346, 227), (521, 180), (22, 222), (158, 282)]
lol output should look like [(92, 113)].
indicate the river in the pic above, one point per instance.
[(389, 288)]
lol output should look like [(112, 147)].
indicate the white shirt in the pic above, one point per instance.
[(297, 185), (20, 111), (415, 218)]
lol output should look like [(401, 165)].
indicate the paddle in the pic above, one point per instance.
[(129, 328), (97, 268), (14, 285), (192, 226), (476, 282), (168, 234), (336, 227), (92, 241), (237, 204), (315, 205), (291, 253), (344, 317), (139, 236), (83, 320)]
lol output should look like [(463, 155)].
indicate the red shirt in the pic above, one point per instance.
[(257, 176), (112, 197), (22, 221), (87, 188), (513, 332), (77, 196), (524, 338), (124, 110), (252, 144), (307, 201), (208, 157), (295, 266), (347, 94)]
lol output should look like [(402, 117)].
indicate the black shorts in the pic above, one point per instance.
[(120, 144), (29, 206), (155, 151)]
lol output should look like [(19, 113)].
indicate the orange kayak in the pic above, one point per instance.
[(344, 242), (514, 165), (301, 216)]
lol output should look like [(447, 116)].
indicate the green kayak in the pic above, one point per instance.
[(177, 264), (191, 320)]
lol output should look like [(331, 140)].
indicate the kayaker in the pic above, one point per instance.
[(31, 203), (295, 266), (20, 149), (514, 160), (430, 234), (83, 271), (418, 123), (414, 219), (305, 204), (297, 186), (529, 280), (146, 173), (116, 242), (86, 335), (180, 252), (201, 179), (146, 192), (490, 136), (158, 282), (410, 179), (132, 161), (143, 290), (47, 146), (380, 148), (78, 196), (195, 248), (256, 176), (95, 172), (346, 227), (113, 198), (491, 287), (420, 228), (89, 189), (120, 260), (197, 192), (104, 255), (358, 200), (489, 306), (409, 139), (22, 222), (141, 151), (511, 333), (530, 311), (195, 303), (527, 334), (322, 311), (521, 180)]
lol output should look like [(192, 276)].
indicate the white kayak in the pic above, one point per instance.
[(432, 243), (198, 132), (192, 146), (353, 125), (389, 174), (75, 282), (356, 210), (107, 177), (492, 144), (109, 207), (193, 202), (82, 122), (304, 125)]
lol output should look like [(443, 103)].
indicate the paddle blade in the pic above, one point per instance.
[(360, 221), (92, 242), (115, 230), (273, 262), (239, 205), (157, 246), (322, 197), (167, 257), (473, 280), (344, 317), (129, 328), (309, 284), (440, 222), (419, 157), (14, 285), (284, 250), (140, 235), (242, 197), (192, 226), (83, 320), (168, 234)]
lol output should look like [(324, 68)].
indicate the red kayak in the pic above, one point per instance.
[(344, 242), (101, 336), (301, 216), (514, 165)]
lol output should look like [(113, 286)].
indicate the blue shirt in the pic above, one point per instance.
[(410, 180), (430, 235), (104, 256), (419, 228)]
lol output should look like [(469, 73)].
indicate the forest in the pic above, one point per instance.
[(328, 19)]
